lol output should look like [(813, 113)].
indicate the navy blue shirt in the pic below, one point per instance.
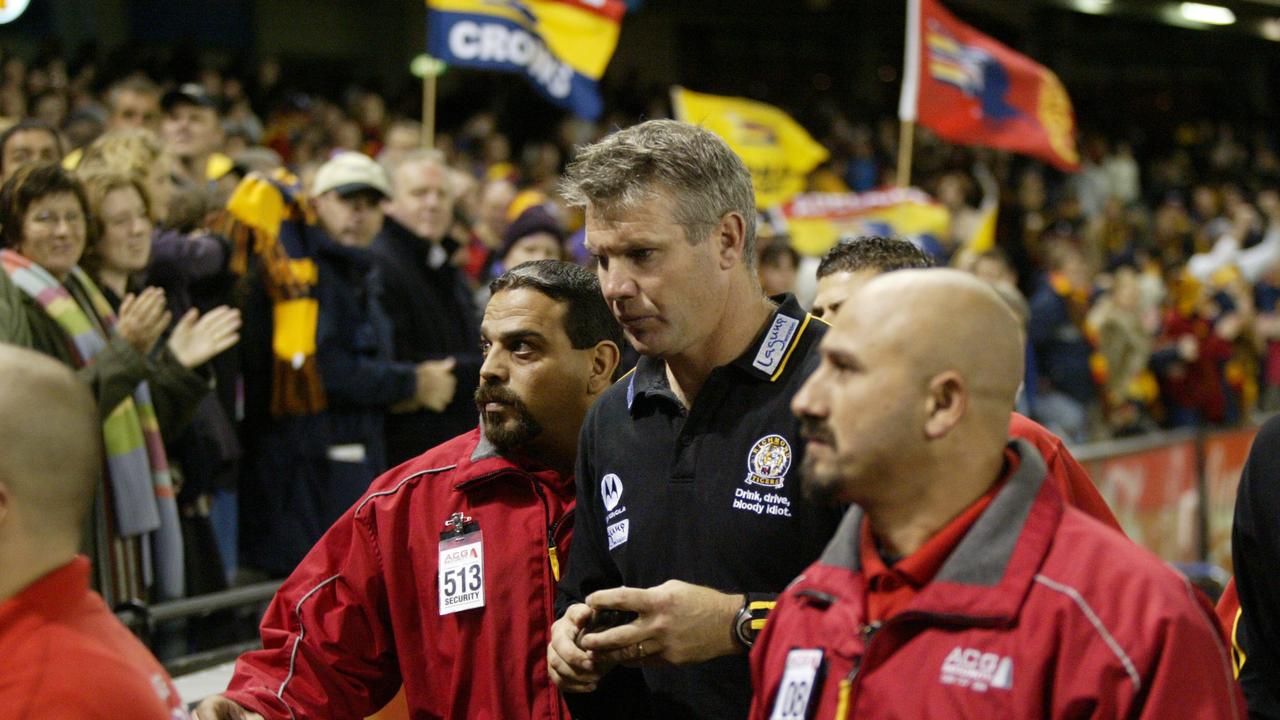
[(710, 496)]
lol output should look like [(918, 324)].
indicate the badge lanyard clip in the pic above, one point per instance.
[(457, 525)]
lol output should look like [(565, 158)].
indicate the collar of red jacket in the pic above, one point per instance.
[(987, 577), (483, 463), (51, 595)]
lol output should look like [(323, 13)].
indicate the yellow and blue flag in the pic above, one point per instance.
[(561, 46), (777, 150), (816, 221)]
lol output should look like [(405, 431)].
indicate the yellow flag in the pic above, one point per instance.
[(984, 235), (776, 149)]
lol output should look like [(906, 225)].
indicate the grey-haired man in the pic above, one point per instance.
[(689, 512)]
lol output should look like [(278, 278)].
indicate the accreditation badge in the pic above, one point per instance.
[(801, 685), (461, 565)]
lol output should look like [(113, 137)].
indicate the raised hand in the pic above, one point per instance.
[(142, 319), (196, 339)]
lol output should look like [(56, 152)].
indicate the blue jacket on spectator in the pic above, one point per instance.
[(309, 469), (1061, 349)]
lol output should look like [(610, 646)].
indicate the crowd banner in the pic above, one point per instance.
[(1174, 492), (561, 46), (775, 148), (815, 221), (1224, 457), (1152, 486), (970, 89)]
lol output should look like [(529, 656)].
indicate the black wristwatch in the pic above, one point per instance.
[(749, 620)]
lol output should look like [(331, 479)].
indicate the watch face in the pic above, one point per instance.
[(742, 628)]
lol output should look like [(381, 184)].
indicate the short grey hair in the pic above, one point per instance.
[(690, 165), (430, 156)]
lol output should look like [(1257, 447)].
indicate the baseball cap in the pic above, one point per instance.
[(351, 172), (188, 94)]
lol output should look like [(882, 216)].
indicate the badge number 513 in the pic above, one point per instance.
[(461, 573)]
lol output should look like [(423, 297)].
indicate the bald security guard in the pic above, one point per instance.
[(960, 584)]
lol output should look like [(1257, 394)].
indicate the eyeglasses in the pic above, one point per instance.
[(50, 219)]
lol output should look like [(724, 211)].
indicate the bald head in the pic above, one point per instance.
[(51, 456), (918, 377), (939, 321), (906, 415)]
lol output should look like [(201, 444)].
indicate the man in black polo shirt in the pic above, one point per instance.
[(689, 511)]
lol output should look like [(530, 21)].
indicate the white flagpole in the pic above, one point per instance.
[(907, 103)]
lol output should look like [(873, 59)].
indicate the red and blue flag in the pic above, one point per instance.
[(970, 89)]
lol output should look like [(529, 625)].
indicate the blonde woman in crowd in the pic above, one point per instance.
[(120, 218), (191, 265)]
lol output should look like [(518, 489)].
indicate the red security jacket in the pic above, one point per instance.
[(1039, 612), (360, 615), (1064, 471)]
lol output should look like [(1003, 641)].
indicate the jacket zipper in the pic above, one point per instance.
[(849, 684), (844, 698), (553, 549), (553, 556)]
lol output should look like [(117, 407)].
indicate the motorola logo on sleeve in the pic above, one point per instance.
[(610, 491)]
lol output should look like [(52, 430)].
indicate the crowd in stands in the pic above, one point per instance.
[(1149, 280)]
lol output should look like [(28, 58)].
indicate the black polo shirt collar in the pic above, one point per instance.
[(765, 359)]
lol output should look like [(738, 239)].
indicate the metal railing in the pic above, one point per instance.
[(1101, 450), (144, 619)]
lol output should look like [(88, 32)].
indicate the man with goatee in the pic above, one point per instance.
[(442, 577), (960, 583)]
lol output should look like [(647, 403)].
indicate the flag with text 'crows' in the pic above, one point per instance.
[(970, 89), (561, 46)]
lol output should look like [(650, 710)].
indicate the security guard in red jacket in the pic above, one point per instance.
[(960, 584), (442, 577)]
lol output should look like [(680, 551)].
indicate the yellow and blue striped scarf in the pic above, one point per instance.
[(262, 219)]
